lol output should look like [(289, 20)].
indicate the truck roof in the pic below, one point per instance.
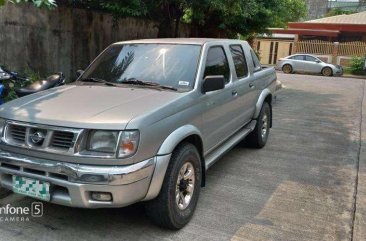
[(193, 41)]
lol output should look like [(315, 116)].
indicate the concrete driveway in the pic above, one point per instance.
[(304, 185)]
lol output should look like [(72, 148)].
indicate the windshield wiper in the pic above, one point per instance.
[(134, 81), (97, 80)]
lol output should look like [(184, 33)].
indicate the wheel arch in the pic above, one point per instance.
[(265, 97), (187, 133), (289, 64), (328, 67)]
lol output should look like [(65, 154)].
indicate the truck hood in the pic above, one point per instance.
[(92, 107)]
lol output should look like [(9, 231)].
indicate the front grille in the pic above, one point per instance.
[(17, 133), (41, 137), (62, 139), (15, 167)]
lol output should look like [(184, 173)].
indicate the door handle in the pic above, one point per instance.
[(234, 93), (251, 85)]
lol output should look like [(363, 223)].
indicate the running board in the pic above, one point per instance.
[(216, 154)]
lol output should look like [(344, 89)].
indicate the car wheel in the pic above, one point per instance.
[(178, 197), (287, 69), (259, 136), (327, 71)]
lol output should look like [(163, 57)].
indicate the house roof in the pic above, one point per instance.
[(356, 18)]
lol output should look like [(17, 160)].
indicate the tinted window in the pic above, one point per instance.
[(217, 64), (256, 63), (166, 64), (240, 62), (310, 58), (298, 57)]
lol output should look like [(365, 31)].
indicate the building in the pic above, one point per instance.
[(341, 28), (335, 39)]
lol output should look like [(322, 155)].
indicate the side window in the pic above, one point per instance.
[(217, 64), (310, 58), (240, 62), (298, 57), (256, 63)]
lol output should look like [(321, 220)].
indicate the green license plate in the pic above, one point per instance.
[(32, 188)]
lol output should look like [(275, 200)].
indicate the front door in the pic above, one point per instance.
[(312, 66), (218, 114)]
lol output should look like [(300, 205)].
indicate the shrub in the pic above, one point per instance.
[(357, 65)]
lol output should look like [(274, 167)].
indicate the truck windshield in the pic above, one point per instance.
[(164, 64)]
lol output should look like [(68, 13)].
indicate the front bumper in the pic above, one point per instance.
[(72, 184)]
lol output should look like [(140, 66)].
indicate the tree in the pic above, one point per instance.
[(243, 17), (338, 11), (206, 18), (37, 3)]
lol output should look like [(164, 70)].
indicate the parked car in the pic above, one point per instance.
[(143, 123), (306, 63)]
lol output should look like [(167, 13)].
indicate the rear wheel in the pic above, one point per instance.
[(176, 203), (287, 69), (327, 71), (258, 137)]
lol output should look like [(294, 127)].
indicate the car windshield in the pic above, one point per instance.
[(170, 65)]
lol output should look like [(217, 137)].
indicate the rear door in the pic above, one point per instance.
[(298, 63), (243, 91)]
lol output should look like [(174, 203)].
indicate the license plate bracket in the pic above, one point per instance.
[(32, 188)]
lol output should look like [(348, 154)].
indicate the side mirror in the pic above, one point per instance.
[(79, 73), (318, 61), (213, 83)]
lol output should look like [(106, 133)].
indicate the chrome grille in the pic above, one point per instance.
[(41, 137), (17, 133), (62, 139)]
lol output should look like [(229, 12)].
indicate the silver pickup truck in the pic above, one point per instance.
[(143, 122)]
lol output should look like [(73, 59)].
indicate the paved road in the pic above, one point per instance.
[(301, 186)]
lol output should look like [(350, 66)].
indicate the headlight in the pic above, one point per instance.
[(128, 143), (102, 141), (2, 125)]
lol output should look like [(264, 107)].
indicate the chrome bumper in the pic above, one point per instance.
[(72, 184)]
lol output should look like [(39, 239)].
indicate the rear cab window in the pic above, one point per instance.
[(217, 63), (240, 62), (256, 63)]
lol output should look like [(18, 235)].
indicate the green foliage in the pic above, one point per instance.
[(37, 3), (251, 16), (357, 65), (207, 18), (338, 11), (288, 11)]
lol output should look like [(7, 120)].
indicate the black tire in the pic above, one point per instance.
[(164, 211), (287, 69), (255, 138), (327, 71)]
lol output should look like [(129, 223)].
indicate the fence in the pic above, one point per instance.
[(328, 48), (352, 48), (64, 39), (314, 47)]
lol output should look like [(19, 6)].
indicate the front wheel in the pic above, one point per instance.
[(287, 69), (327, 71), (258, 137), (178, 197)]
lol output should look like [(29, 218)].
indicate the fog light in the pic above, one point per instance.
[(101, 196)]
